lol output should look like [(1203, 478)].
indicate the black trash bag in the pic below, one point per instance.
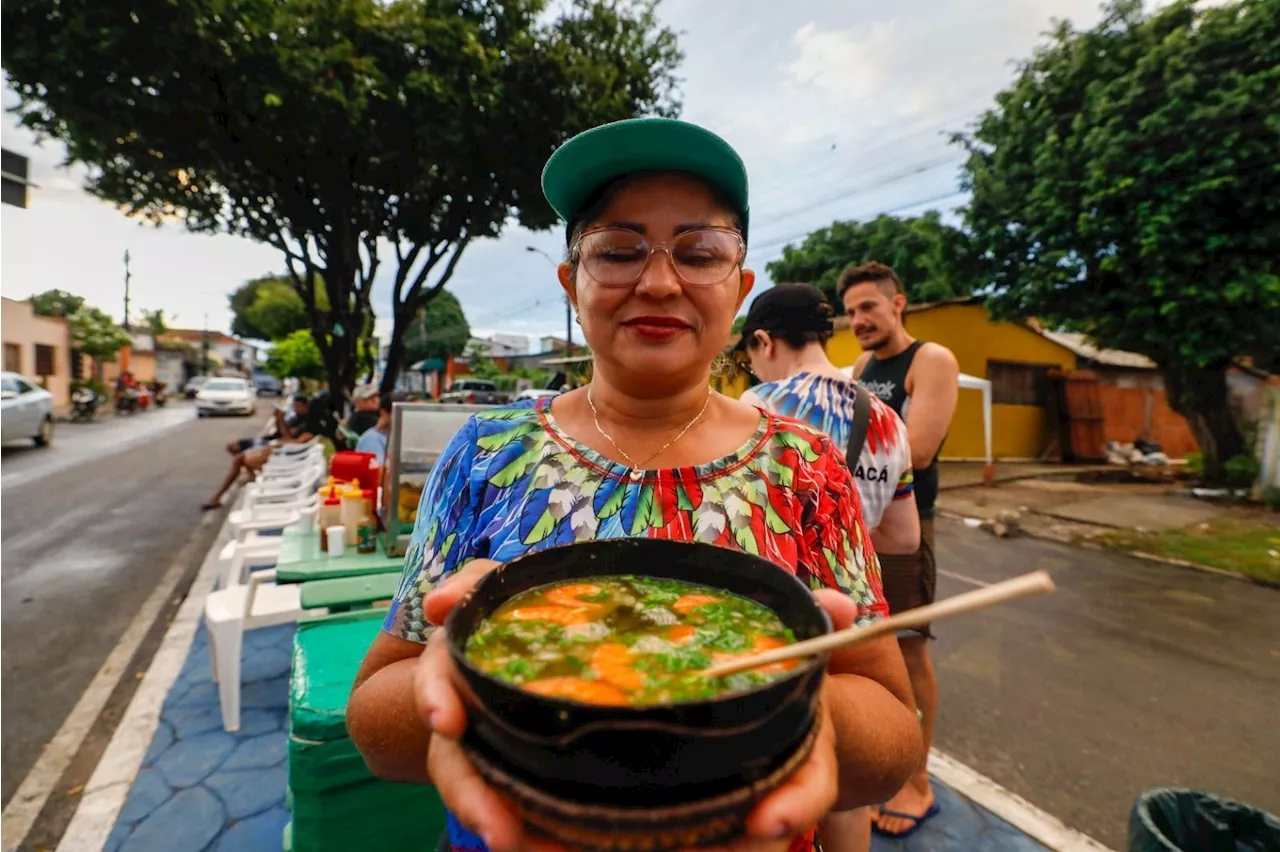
[(1172, 820)]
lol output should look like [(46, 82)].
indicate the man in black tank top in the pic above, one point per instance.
[(920, 381)]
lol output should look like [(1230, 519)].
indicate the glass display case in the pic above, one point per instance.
[(419, 433)]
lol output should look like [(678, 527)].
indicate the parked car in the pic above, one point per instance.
[(536, 393), (193, 385), (474, 392), (26, 410), (267, 385), (226, 396)]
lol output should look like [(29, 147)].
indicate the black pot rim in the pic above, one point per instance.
[(629, 713)]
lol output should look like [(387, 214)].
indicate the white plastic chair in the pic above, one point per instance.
[(228, 613)]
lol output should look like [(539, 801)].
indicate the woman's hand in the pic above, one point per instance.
[(806, 797), (476, 805), (786, 813)]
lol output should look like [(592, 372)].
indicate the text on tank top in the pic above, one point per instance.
[(887, 379)]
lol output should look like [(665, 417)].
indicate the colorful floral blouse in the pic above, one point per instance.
[(883, 470), (511, 482)]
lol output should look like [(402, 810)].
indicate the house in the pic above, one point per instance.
[(224, 350), (39, 348), (1017, 358)]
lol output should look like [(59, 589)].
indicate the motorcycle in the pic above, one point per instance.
[(84, 404), (159, 395), (127, 402)]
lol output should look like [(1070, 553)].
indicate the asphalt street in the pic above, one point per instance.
[(1133, 675), (90, 524)]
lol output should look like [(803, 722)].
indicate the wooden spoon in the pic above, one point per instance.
[(1035, 583)]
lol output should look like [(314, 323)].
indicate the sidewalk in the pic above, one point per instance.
[(225, 792)]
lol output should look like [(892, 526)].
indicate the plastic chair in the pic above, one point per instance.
[(228, 613)]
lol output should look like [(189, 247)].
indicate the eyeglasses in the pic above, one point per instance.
[(617, 257)]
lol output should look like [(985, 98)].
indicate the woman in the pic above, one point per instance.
[(657, 217)]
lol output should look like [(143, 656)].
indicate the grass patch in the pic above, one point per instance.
[(1246, 544)]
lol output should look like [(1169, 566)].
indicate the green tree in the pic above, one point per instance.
[(96, 333), (439, 331), (269, 308), (483, 367), (155, 322), (932, 258), (332, 130), (298, 356), (55, 303), (1126, 186)]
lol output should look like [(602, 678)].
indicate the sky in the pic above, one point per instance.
[(839, 108)]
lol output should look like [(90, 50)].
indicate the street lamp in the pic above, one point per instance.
[(568, 306)]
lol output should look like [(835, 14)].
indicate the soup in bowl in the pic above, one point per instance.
[(581, 670)]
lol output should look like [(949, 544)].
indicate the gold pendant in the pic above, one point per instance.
[(636, 475)]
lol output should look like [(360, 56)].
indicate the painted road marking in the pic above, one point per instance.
[(21, 811), (105, 793)]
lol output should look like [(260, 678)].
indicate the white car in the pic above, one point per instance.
[(226, 396), (26, 410), (536, 393)]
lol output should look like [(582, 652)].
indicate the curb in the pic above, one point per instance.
[(1137, 554)]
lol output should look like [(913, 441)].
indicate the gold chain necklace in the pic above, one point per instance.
[(637, 473)]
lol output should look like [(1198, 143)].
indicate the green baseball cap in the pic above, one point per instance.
[(602, 154)]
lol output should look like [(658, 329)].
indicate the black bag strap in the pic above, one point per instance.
[(858, 429)]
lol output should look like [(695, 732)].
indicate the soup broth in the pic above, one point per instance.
[(626, 640)]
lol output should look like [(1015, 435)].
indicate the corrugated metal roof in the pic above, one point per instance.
[(1079, 344)]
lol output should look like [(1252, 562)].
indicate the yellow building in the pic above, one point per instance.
[(1013, 357)]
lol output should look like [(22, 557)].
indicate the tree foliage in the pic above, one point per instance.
[(932, 258), (333, 130), (269, 308), (1126, 185), (155, 322), (55, 303), (296, 355), (439, 331), (95, 333)]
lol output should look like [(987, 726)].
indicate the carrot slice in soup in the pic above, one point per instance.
[(686, 604), (571, 594), (615, 664), (681, 634), (578, 689), (561, 615)]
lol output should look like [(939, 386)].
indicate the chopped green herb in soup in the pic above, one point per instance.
[(626, 640)]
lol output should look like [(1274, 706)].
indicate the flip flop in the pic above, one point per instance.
[(917, 821), (208, 507)]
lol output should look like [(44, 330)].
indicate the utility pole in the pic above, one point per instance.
[(568, 306), (126, 290), (204, 347)]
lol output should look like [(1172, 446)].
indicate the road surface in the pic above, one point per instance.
[(90, 525), (1133, 675)]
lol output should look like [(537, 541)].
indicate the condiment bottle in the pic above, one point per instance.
[(367, 538), (330, 515), (352, 510)]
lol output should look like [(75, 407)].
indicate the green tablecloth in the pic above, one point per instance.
[(301, 560), (349, 591), (336, 803)]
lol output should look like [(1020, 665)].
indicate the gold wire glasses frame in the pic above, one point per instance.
[(627, 273)]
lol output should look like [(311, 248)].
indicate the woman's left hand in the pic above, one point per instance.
[(806, 797)]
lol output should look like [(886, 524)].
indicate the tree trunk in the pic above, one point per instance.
[(1200, 395), (395, 349)]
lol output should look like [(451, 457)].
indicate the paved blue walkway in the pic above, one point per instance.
[(201, 788)]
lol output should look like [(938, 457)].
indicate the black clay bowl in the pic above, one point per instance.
[(641, 757)]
